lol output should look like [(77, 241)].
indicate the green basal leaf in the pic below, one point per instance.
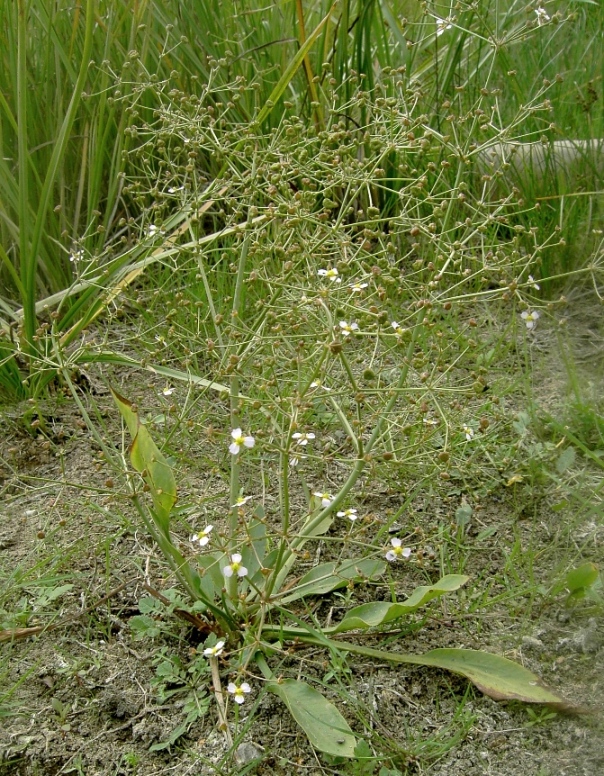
[(253, 555), (268, 562), (211, 577), (325, 727), (147, 459), (331, 576), (495, 676), (378, 613), (582, 577), (317, 530)]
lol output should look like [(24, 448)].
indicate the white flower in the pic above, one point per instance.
[(326, 498), (398, 329), (76, 256), (238, 692), (442, 25), (235, 567), (241, 500), (430, 422), (294, 461), (319, 384), (303, 439), (173, 190), (533, 283), (351, 514), (530, 318), (357, 288), (469, 432), (239, 440), (542, 16), (152, 230), (168, 391), (348, 328), (202, 538), (398, 551), (331, 273), (215, 650)]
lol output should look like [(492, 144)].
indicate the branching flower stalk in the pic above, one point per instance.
[(234, 399), (288, 558)]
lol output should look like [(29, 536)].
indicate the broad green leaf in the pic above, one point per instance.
[(317, 530), (330, 576), (144, 627), (253, 554), (148, 459), (149, 605), (325, 727), (582, 577), (268, 562), (582, 582), (211, 577), (380, 612), (52, 593), (495, 676), (463, 514)]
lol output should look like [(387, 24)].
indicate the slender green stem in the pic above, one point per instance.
[(309, 528), (284, 504), (234, 396), (345, 646)]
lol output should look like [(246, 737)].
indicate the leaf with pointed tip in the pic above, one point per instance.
[(495, 676), (582, 577), (325, 727), (318, 530), (147, 459), (330, 576), (381, 612)]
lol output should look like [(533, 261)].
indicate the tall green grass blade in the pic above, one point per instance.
[(28, 298), (30, 264), (291, 70)]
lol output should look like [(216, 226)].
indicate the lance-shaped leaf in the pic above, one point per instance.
[(325, 727), (495, 676), (331, 576), (381, 612), (147, 459)]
